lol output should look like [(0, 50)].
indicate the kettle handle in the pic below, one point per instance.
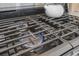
[(45, 6)]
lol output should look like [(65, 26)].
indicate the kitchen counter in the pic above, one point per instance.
[(76, 13)]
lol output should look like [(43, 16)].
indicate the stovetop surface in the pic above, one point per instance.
[(36, 34)]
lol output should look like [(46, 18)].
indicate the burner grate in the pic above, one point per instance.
[(34, 35)]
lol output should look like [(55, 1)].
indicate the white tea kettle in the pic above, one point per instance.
[(54, 10)]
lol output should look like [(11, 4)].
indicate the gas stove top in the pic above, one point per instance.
[(38, 35)]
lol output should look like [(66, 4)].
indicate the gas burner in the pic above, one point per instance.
[(71, 36), (63, 32)]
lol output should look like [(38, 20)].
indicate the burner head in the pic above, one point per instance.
[(71, 36)]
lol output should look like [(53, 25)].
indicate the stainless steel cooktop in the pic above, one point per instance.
[(38, 35)]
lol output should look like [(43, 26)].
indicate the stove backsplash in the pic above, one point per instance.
[(23, 11)]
